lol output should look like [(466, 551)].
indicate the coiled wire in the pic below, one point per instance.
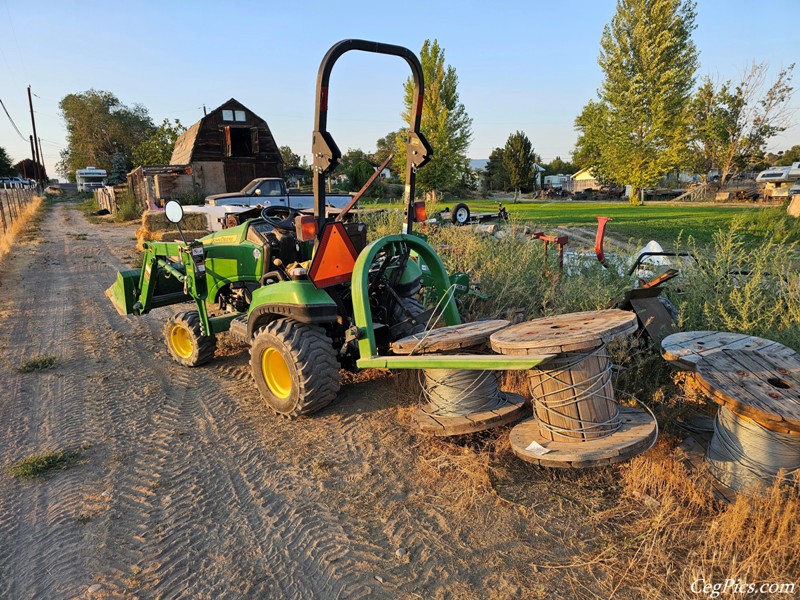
[(591, 389), (459, 393), (743, 454)]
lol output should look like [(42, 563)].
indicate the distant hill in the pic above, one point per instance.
[(478, 164)]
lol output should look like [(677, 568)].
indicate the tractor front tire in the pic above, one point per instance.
[(295, 368), (185, 340)]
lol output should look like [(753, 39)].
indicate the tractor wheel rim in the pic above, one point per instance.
[(276, 373), (181, 341)]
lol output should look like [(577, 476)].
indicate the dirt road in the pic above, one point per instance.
[(188, 486)]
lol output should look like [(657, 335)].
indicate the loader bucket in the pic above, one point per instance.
[(123, 292)]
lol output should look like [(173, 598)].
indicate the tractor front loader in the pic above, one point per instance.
[(305, 291)]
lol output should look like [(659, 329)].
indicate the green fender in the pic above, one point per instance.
[(360, 286), (298, 300)]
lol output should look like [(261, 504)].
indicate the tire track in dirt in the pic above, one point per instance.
[(191, 486)]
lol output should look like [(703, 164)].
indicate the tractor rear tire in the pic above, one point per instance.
[(398, 315), (295, 368), (185, 340)]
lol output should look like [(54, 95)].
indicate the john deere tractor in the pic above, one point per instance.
[(305, 291)]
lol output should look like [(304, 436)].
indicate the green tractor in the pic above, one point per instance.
[(305, 291)]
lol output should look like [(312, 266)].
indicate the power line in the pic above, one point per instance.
[(14, 125)]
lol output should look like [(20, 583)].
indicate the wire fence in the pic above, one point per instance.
[(12, 203)]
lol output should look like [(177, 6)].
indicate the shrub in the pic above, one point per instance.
[(129, 207)]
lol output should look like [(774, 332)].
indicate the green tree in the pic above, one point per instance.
[(119, 170), (290, 159), (445, 122), (157, 149), (27, 168), (384, 147), (732, 123), (560, 167), (496, 174), (518, 160), (358, 174), (97, 125), (6, 170), (639, 128), (792, 155)]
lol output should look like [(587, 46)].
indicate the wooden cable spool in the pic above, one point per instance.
[(472, 337), (578, 422), (685, 349), (759, 385)]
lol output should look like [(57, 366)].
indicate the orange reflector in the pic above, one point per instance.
[(305, 227), (335, 257), (419, 212)]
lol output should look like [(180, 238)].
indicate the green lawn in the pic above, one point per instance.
[(657, 221)]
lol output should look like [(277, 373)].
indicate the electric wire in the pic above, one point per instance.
[(744, 454), (14, 125)]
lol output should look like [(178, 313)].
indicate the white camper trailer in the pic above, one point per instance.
[(779, 180)]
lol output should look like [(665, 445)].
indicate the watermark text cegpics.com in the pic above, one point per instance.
[(737, 586)]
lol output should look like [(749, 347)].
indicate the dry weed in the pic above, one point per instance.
[(28, 218), (668, 531)]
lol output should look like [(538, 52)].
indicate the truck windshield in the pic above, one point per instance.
[(250, 188)]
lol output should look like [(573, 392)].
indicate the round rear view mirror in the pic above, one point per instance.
[(174, 211)]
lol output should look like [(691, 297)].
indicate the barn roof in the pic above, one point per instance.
[(182, 153), (184, 145)]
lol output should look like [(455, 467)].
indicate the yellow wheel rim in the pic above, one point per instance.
[(181, 341), (276, 373)]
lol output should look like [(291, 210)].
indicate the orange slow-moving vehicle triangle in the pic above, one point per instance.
[(335, 257)]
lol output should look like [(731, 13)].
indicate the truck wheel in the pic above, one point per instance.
[(399, 317), (185, 340), (460, 214), (295, 367)]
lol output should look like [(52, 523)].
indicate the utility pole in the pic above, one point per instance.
[(41, 155), (204, 110), (35, 164), (35, 137)]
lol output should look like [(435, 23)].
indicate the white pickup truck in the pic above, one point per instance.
[(261, 192)]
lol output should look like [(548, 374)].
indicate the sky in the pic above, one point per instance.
[(528, 66)]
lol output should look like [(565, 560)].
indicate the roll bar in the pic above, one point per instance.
[(326, 153)]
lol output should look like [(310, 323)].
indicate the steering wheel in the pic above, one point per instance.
[(280, 217)]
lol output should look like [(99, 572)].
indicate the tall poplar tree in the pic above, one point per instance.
[(445, 122), (638, 128), (518, 160)]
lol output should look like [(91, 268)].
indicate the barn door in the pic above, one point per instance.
[(238, 175), (254, 140), (226, 142)]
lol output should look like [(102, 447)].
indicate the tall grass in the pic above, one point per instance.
[(744, 289)]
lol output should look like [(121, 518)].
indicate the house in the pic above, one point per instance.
[(227, 148), (295, 176), (582, 180)]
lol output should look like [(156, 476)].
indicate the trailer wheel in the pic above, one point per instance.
[(295, 368), (460, 214), (185, 340)]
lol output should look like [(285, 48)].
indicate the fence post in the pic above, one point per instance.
[(3, 211)]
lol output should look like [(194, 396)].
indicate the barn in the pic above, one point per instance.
[(227, 148)]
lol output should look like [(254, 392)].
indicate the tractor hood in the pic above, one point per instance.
[(226, 195)]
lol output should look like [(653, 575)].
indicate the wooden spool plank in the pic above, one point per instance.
[(448, 339), (514, 410), (684, 350), (756, 385), (637, 433), (573, 332)]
